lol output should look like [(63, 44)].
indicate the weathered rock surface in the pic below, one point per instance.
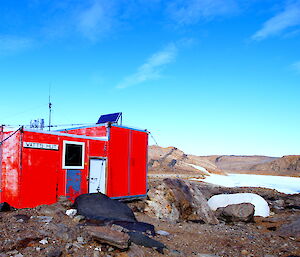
[(236, 212), (54, 253), (100, 207), (20, 241), (50, 210), (135, 251), (291, 229), (109, 236), (177, 200)]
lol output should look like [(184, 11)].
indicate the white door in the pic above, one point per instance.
[(97, 179)]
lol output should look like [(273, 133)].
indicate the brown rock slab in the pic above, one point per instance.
[(109, 236)]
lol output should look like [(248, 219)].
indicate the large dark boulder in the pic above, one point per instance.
[(100, 207), (4, 207), (141, 239), (136, 226)]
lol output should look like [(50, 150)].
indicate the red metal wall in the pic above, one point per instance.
[(10, 169), (35, 176), (118, 162), (127, 162), (138, 163), (41, 175)]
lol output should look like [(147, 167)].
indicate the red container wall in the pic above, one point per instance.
[(10, 169), (118, 162), (127, 160), (31, 177), (138, 163), (41, 172), (42, 176)]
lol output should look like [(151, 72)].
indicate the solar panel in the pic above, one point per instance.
[(113, 118)]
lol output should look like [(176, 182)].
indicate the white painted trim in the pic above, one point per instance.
[(65, 142)]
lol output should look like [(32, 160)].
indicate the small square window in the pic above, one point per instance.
[(73, 155)]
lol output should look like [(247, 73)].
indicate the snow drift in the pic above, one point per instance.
[(223, 200)]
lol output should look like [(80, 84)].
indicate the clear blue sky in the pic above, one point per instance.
[(206, 76)]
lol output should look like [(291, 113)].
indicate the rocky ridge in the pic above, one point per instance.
[(288, 164), (172, 160)]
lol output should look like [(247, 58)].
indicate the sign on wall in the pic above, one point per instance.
[(40, 146)]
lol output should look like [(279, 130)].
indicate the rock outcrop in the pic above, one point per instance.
[(177, 200)]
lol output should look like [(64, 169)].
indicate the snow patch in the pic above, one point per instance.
[(222, 200), (287, 185), (199, 168)]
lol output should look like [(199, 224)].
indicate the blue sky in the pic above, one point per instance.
[(206, 76)]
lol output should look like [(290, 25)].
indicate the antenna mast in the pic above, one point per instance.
[(50, 106)]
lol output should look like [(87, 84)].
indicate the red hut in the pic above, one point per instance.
[(39, 166)]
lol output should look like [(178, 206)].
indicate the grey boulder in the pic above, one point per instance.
[(236, 212)]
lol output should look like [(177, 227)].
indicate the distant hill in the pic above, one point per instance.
[(289, 164), (238, 162), (173, 160)]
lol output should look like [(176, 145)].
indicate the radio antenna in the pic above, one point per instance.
[(50, 106)]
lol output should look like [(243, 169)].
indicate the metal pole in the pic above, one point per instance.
[(50, 105)]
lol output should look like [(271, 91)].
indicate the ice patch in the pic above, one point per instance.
[(222, 200), (287, 185), (199, 168)]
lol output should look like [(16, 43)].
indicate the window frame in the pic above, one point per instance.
[(65, 143)]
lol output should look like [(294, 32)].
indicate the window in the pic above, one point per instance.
[(73, 155)]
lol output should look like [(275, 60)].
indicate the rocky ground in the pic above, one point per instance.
[(191, 231)]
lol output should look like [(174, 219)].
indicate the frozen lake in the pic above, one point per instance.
[(288, 185)]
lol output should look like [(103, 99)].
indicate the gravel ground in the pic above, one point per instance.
[(48, 231)]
